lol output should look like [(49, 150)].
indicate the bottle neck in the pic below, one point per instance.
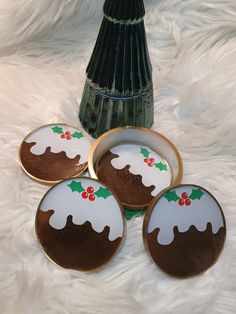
[(124, 10)]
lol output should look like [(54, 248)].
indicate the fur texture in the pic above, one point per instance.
[(45, 46)]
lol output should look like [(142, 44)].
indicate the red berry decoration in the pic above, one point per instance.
[(146, 160), (92, 197), (63, 136), (150, 164), (85, 195), (68, 137), (188, 202), (181, 202), (184, 195), (152, 160), (68, 133), (90, 190)]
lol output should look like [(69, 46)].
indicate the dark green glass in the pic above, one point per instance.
[(119, 90), (131, 213)]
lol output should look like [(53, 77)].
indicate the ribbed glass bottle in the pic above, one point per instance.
[(118, 90)]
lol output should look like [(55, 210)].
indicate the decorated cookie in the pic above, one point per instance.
[(136, 173), (184, 231), (80, 224), (54, 152)]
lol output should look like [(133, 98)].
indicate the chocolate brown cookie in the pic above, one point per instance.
[(136, 173), (54, 152), (184, 231), (80, 224)]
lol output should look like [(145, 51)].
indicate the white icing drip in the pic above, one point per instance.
[(45, 137), (129, 154), (100, 213), (166, 215)]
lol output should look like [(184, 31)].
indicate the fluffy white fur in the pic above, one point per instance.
[(45, 46)]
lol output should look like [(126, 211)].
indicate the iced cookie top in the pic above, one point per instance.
[(60, 138), (145, 162), (183, 207), (85, 200)]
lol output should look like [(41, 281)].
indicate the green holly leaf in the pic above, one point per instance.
[(77, 135), (76, 186), (145, 152), (161, 166), (103, 192), (196, 194), (58, 130), (171, 196)]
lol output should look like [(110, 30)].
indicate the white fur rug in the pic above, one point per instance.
[(45, 46)]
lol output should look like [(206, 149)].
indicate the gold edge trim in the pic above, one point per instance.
[(114, 94), (92, 172), (147, 217), (123, 22), (122, 210), (48, 182)]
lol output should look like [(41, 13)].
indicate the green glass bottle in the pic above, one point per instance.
[(119, 90)]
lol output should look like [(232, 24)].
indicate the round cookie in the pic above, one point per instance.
[(54, 152), (80, 224), (184, 230), (136, 173)]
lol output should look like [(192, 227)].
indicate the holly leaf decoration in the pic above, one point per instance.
[(171, 196), (196, 194), (76, 186), (145, 152), (161, 166), (103, 192), (58, 130), (77, 135)]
